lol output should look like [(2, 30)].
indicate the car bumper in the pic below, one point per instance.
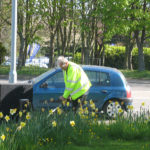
[(126, 102)]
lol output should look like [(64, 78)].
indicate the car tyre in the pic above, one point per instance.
[(113, 108)]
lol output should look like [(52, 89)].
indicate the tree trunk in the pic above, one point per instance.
[(1, 19), (83, 47), (126, 56), (129, 44), (21, 38), (51, 53), (103, 55), (58, 44), (87, 61), (27, 33), (96, 61), (21, 49), (139, 42), (141, 64), (130, 57)]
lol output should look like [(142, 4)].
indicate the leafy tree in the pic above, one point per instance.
[(3, 53), (29, 22), (52, 12)]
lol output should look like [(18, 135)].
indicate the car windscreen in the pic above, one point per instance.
[(42, 76)]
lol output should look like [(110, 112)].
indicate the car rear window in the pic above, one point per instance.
[(117, 80), (98, 78)]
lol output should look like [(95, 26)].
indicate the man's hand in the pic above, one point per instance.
[(62, 98)]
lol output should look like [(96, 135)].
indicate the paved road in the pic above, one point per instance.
[(140, 92)]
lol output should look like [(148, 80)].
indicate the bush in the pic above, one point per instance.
[(3, 53), (114, 56)]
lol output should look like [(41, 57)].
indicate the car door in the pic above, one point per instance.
[(48, 91), (100, 87)]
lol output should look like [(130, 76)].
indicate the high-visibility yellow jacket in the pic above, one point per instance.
[(76, 81)]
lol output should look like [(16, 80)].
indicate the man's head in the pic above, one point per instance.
[(62, 62)]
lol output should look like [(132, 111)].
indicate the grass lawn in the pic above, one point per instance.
[(35, 71), (113, 145), (105, 144), (45, 130), (135, 74), (32, 70)]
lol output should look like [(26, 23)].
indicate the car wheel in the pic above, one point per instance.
[(113, 108)]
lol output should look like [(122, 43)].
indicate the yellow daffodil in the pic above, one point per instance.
[(47, 139), (120, 110), (3, 137), (91, 102), (80, 111), (79, 101), (25, 105), (45, 102), (51, 100), (42, 109), (72, 123), (68, 104), (86, 110), (1, 115), (28, 116), (69, 142), (13, 111), (19, 128), (130, 107), (22, 124), (54, 124), (83, 116), (93, 114), (92, 106), (85, 102), (96, 110), (64, 102), (7, 129), (143, 104), (59, 111), (7, 118), (20, 113), (50, 112), (110, 101), (116, 103)]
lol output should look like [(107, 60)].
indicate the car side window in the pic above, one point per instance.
[(98, 78), (56, 80), (104, 79)]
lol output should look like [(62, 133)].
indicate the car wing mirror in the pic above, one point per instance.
[(44, 85)]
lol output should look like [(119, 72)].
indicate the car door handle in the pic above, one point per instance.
[(104, 91)]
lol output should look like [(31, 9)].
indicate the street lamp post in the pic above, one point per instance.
[(13, 73)]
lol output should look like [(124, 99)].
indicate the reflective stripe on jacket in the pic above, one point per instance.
[(76, 81)]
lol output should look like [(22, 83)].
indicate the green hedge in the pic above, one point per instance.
[(115, 57), (146, 58)]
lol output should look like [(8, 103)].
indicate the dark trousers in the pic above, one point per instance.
[(79, 101)]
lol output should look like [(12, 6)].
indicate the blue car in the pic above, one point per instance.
[(110, 91)]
